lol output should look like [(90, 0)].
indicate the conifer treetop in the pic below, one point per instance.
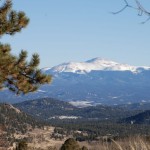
[(16, 73)]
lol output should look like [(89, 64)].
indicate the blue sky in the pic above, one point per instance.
[(78, 30)]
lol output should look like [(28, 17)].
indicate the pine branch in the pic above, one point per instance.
[(16, 73), (10, 20)]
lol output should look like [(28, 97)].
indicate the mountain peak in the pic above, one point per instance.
[(102, 61), (92, 65), (98, 63), (98, 59)]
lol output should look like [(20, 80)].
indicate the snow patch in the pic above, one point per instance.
[(64, 117), (93, 65), (81, 104), (41, 91)]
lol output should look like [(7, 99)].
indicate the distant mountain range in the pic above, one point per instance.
[(96, 81), (48, 109), (141, 118), (95, 64), (51, 110)]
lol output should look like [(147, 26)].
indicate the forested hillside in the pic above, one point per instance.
[(13, 121)]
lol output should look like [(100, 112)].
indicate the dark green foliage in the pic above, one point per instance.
[(16, 73), (93, 120), (10, 20), (49, 107), (93, 130), (141, 118)]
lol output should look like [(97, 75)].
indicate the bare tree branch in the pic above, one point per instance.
[(138, 7), (126, 6), (142, 11)]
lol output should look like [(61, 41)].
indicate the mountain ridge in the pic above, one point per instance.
[(93, 64), (109, 83), (51, 109), (14, 122), (140, 118)]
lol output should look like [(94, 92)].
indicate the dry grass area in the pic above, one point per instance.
[(41, 139), (3, 141), (37, 139), (126, 144)]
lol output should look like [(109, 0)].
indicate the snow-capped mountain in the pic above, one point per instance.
[(97, 81), (92, 65)]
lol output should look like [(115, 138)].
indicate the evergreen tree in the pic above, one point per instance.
[(84, 148), (16, 73), (22, 145), (71, 144)]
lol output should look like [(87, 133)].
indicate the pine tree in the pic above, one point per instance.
[(22, 145), (16, 73), (70, 144)]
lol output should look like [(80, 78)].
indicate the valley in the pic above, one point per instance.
[(56, 121), (92, 101)]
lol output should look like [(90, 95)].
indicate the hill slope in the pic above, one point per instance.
[(95, 121), (49, 109), (141, 118), (13, 121)]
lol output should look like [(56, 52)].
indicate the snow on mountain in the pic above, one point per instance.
[(81, 103), (98, 80), (91, 65)]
